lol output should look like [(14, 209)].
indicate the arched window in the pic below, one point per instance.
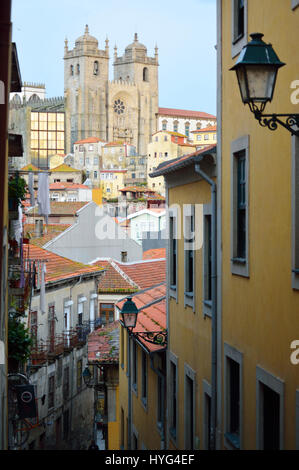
[(164, 125), (96, 67), (16, 99), (71, 70), (78, 68), (33, 98), (187, 128), (198, 125), (145, 74), (175, 126)]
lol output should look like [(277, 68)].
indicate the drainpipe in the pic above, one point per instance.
[(214, 303), (162, 377)]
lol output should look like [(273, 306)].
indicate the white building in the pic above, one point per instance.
[(144, 221), (183, 121)]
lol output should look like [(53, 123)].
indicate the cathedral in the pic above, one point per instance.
[(123, 109)]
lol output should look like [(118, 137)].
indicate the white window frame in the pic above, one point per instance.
[(188, 212), (173, 213), (237, 356), (238, 44), (207, 303), (277, 385), (238, 266)]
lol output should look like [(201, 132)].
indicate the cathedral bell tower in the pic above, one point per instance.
[(86, 70)]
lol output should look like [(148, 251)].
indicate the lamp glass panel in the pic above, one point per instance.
[(129, 319), (242, 84), (261, 82)]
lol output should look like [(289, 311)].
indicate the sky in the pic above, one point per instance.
[(184, 31)]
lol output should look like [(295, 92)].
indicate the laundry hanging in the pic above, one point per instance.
[(43, 195)]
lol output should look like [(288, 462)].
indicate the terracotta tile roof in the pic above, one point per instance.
[(176, 134), (113, 280), (53, 230), (145, 273), (103, 344), (206, 129), (184, 113), (64, 169), (63, 208), (151, 318), (114, 171), (155, 253), (58, 267), (180, 160), (66, 185), (115, 144), (89, 140)]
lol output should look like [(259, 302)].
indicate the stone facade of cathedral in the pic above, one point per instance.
[(123, 109)]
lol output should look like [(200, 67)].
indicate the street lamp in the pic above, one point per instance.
[(129, 314), (256, 69), (87, 377)]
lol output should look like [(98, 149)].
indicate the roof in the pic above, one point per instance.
[(103, 344), (154, 212), (58, 267), (30, 167), (152, 313), (145, 273), (115, 144), (177, 134), (89, 140), (66, 185), (52, 231), (63, 208), (176, 163), (184, 113), (64, 168), (155, 253), (138, 189), (206, 129), (114, 280), (114, 171)]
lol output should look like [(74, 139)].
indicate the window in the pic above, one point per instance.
[(173, 245), (144, 379), (95, 175), (124, 256), (65, 425), (71, 70), (79, 374), (90, 148), (189, 408), (70, 180), (175, 126), (78, 68), (187, 129), (270, 411), (166, 154), (134, 366), (233, 397), (51, 328), (66, 383), (96, 67), (173, 397), (95, 160), (81, 148), (198, 125), (87, 160), (156, 138), (206, 136), (198, 137), (240, 216), (189, 253), (207, 261), (145, 74), (51, 391), (107, 313), (239, 25), (207, 415), (164, 125), (80, 312), (165, 138), (160, 392)]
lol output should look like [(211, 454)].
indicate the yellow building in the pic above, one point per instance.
[(204, 137), (164, 146), (258, 192), (65, 173), (111, 181), (190, 300)]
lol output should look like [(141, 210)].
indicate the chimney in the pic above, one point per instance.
[(124, 256), (39, 227)]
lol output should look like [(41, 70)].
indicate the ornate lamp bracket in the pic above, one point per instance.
[(158, 338), (288, 121)]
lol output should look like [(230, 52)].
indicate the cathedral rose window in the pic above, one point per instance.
[(119, 106)]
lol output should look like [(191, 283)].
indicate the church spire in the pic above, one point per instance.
[(86, 29)]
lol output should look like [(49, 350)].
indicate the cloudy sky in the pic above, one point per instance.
[(185, 32)]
